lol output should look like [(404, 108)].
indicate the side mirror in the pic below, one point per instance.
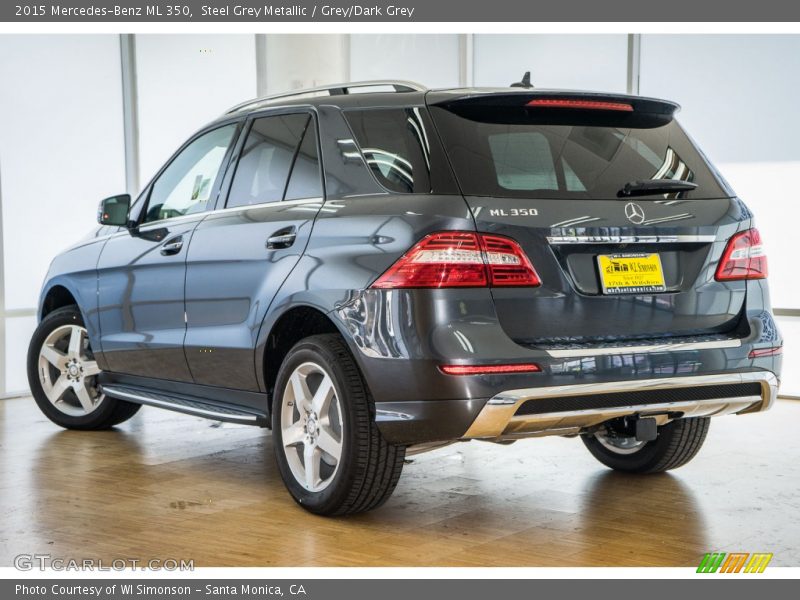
[(114, 211)]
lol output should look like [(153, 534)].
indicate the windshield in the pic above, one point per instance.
[(526, 159)]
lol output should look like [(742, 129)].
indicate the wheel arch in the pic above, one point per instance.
[(59, 293), (290, 327), (55, 297)]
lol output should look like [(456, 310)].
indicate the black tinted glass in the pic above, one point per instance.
[(305, 180), (396, 146), (523, 158), (266, 160)]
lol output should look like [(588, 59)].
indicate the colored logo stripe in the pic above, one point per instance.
[(758, 562), (711, 562), (735, 562)]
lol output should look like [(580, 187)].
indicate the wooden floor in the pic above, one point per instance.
[(169, 486)]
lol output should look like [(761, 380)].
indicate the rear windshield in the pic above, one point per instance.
[(525, 159)]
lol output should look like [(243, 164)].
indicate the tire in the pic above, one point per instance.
[(70, 410), (368, 467), (677, 443)]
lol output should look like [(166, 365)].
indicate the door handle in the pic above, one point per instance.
[(283, 238), (173, 246)]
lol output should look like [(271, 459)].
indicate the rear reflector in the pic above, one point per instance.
[(580, 104), (461, 259), (489, 369), (743, 258), (762, 352)]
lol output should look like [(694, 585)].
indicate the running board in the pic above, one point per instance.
[(189, 405)]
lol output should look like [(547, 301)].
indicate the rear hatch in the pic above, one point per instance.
[(549, 170)]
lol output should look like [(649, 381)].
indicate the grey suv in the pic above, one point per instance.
[(378, 269)]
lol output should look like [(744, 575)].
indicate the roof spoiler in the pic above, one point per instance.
[(554, 107)]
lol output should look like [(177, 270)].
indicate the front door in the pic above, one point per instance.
[(142, 270)]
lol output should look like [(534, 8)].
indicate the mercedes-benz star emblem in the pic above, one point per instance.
[(635, 213)]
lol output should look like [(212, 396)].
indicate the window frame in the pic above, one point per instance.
[(227, 184), (213, 202)]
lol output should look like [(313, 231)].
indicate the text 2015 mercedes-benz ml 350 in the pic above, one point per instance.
[(386, 271)]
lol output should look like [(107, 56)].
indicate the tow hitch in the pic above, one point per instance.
[(646, 429), (643, 429)]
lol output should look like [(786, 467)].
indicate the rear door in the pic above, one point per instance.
[(241, 255), (613, 267)]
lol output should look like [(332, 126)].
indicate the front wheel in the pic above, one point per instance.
[(330, 453), (677, 443), (62, 375)]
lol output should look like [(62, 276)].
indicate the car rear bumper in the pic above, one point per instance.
[(401, 338), (575, 408), (571, 409)]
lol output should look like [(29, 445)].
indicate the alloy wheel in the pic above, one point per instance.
[(311, 426), (68, 371)]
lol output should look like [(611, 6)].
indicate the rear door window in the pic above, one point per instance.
[(306, 178), (271, 151)]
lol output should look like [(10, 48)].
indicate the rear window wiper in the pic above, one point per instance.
[(655, 186)]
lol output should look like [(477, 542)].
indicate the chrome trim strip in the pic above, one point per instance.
[(276, 205), (498, 417), (677, 347), (210, 213), (631, 239), (200, 412)]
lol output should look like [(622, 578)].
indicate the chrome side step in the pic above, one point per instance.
[(185, 404)]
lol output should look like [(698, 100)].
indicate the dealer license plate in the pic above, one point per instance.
[(631, 273)]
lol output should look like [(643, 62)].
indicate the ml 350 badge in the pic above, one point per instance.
[(631, 273)]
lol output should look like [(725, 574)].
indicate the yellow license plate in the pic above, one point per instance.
[(631, 273)]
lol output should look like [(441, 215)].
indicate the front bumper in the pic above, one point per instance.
[(571, 409)]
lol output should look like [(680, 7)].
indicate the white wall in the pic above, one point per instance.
[(61, 148), (183, 82), (61, 151), (295, 61), (432, 60), (587, 62)]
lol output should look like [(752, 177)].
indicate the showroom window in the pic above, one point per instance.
[(186, 185), (395, 145), (277, 147)]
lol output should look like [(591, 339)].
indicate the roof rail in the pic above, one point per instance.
[(337, 89)]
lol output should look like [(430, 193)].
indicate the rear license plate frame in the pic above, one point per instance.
[(645, 288)]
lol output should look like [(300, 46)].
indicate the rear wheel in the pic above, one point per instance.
[(62, 374), (330, 453), (677, 443)]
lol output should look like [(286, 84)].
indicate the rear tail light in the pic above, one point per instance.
[(489, 369), (743, 258), (461, 259), (580, 104)]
